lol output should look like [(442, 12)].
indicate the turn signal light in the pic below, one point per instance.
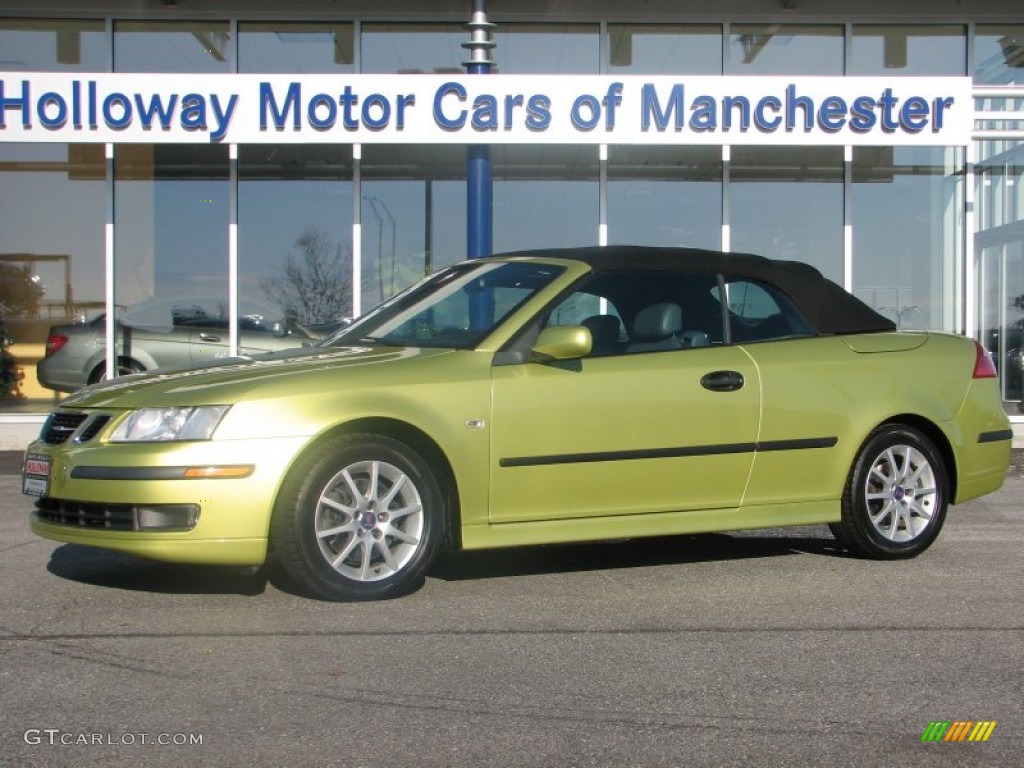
[(209, 473)]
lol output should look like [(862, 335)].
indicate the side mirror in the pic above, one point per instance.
[(562, 342)]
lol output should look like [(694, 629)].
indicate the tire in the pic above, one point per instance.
[(125, 367), (336, 528), (896, 496)]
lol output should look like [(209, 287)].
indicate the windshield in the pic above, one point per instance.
[(455, 308)]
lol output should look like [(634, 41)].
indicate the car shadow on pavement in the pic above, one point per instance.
[(104, 568), (634, 553), (114, 570)]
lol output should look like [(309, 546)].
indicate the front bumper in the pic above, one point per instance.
[(88, 500)]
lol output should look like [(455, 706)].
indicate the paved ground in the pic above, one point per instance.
[(763, 649)]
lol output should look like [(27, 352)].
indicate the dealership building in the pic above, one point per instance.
[(312, 158)]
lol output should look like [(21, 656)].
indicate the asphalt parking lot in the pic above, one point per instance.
[(751, 649)]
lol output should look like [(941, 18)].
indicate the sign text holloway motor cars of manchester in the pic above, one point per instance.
[(425, 109)]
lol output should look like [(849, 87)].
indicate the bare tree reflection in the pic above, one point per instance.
[(315, 286)]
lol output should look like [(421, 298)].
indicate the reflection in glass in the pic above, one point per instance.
[(547, 49), (170, 223), (787, 203), (999, 54), (999, 179), (906, 204), (413, 215), (52, 208), (785, 49), (665, 49), (282, 46), (665, 196), (908, 50), (172, 46), (412, 48), (545, 196), (1001, 314), (1000, 175), (295, 230), (52, 45)]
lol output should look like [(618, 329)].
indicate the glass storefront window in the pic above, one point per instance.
[(295, 231), (879, 50), (665, 49), (665, 196), (545, 196), (547, 49), (413, 215), (52, 210), (52, 45), (999, 54), (787, 203), (300, 47), (999, 248), (171, 206), (1000, 173), (906, 208), (172, 46), (1001, 312), (412, 48), (785, 49)]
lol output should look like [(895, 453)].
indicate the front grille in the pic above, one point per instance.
[(61, 425), (114, 517), (90, 430)]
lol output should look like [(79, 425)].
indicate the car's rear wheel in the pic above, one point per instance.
[(896, 495), (125, 367), (358, 518)]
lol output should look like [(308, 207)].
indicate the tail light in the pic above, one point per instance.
[(54, 342), (984, 368)]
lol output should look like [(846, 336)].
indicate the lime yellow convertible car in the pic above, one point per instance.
[(551, 396)]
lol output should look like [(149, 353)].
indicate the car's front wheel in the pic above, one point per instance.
[(896, 495), (358, 518)]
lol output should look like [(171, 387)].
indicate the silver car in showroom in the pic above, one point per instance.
[(163, 332)]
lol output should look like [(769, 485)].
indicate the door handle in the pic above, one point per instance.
[(208, 337), (722, 381)]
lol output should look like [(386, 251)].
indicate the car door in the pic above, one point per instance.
[(258, 332), (806, 386), (629, 430), (209, 340)]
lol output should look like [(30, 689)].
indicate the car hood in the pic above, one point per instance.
[(231, 379)]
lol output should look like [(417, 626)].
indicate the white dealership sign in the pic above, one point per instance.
[(483, 109)]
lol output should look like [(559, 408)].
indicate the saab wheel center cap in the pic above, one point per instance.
[(898, 493), (368, 519)]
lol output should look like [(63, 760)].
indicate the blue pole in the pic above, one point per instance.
[(479, 199), (479, 196), (479, 218)]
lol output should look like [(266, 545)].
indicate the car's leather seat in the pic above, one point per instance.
[(657, 327)]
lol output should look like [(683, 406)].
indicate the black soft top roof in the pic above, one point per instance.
[(826, 305)]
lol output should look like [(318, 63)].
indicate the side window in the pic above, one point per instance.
[(760, 312), (644, 311)]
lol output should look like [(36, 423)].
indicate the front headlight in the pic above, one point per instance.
[(169, 424)]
